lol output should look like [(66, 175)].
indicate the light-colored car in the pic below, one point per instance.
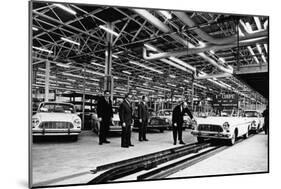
[(115, 125), (222, 127), (257, 120), (56, 118), (167, 115)]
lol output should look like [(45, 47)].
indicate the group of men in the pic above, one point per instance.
[(105, 115)]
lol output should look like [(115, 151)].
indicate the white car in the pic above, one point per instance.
[(222, 127), (56, 118), (167, 115), (257, 120)]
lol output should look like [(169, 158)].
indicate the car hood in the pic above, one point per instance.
[(56, 116), (221, 120)]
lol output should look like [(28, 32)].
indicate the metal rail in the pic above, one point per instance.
[(124, 168), (172, 168)]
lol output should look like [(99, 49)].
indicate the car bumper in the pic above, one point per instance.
[(114, 128), (55, 132), (215, 135)]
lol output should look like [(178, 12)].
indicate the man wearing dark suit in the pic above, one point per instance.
[(105, 114), (143, 118), (177, 121), (126, 120)]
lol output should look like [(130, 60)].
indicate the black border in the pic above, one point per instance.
[(30, 3)]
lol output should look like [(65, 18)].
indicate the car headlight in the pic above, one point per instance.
[(35, 122), (166, 120), (77, 121), (226, 125), (254, 123)]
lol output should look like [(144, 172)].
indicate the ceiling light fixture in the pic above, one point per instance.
[(96, 64), (70, 41), (147, 78), (258, 23), (34, 29), (150, 47), (166, 14), (126, 72), (172, 76), (109, 30), (146, 67), (41, 49), (69, 10)]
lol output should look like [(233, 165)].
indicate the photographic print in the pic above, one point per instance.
[(132, 94)]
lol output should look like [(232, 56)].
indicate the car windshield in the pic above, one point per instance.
[(58, 108), (250, 114)]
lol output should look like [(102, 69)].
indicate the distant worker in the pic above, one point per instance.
[(105, 114), (266, 120), (177, 121), (143, 118), (126, 120)]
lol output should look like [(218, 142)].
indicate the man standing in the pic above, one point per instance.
[(105, 114), (177, 121), (126, 119), (266, 120), (143, 118)]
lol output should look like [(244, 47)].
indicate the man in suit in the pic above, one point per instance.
[(266, 120), (143, 118), (126, 120), (177, 121), (105, 114)]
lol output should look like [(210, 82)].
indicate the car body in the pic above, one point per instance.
[(167, 115), (257, 119), (222, 127), (154, 123), (115, 124), (56, 118)]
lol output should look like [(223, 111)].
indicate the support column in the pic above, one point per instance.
[(83, 97), (47, 81), (108, 80), (128, 84), (192, 93)]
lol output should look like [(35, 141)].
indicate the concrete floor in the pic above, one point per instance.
[(249, 156), (65, 162), (57, 162)]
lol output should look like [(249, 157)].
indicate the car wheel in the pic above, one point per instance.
[(200, 139)]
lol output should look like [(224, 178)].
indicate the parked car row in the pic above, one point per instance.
[(53, 118)]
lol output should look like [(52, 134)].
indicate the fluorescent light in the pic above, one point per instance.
[(166, 14), (249, 27), (265, 24), (97, 64), (253, 54), (170, 84), (172, 76), (263, 58), (95, 73), (43, 75), (182, 63), (63, 65), (161, 88), (174, 64), (202, 44), (71, 80), (240, 32), (258, 23), (186, 81), (41, 49), (144, 66), (126, 72), (265, 47), (143, 89), (212, 52), (34, 28), (114, 56), (72, 75), (150, 47), (109, 30), (65, 8), (143, 77), (95, 84), (222, 60), (259, 48), (70, 41), (120, 88), (198, 85)]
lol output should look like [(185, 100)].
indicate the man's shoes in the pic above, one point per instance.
[(100, 143), (175, 143), (181, 142), (140, 140), (131, 145), (145, 139), (124, 146), (106, 141)]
